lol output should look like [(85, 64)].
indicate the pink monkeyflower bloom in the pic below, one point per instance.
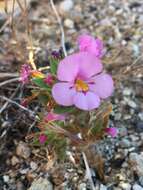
[(42, 138), (54, 117), (25, 73), (89, 44), (111, 131), (49, 79), (81, 82)]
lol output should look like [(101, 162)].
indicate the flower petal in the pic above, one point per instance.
[(68, 68), (54, 117), (89, 65), (81, 64), (84, 41), (63, 93), (89, 44), (42, 138), (111, 131), (86, 101), (103, 86)]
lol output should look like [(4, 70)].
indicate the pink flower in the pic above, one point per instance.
[(111, 131), (81, 82), (42, 138), (54, 117), (25, 73), (49, 79), (88, 44)]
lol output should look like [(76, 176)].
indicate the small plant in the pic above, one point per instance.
[(74, 93)]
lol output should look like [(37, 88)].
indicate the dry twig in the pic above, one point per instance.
[(11, 97), (61, 27), (9, 81), (20, 106)]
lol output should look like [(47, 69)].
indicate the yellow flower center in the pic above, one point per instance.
[(37, 74), (80, 85)]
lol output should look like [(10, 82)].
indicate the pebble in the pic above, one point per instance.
[(69, 23), (125, 143), (141, 19), (41, 184), (141, 116), (123, 131), (118, 116), (103, 187), (24, 171), (132, 104), (136, 161), (23, 150), (33, 165), (82, 186), (20, 186), (137, 187), (141, 180), (127, 91), (6, 178), (134, 138), (14, 160), (125, 186), (66, 6)]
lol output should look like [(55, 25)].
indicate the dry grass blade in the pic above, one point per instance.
[(61, 27), (8, 75), (20, 106), (9, 81), (64, 132)]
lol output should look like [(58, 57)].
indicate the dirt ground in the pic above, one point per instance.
[(119, 24)]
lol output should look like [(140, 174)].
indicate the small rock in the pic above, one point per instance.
[(127, 117), (14, 160), (24, 171), (136, 161), (103, 187), (137, 187), (20, 186), (23, 150), (141, 180), (134, 138), (125, 143), (66, 5), (136, 50), (69, 23), (6, 178), (141, 19), (141, 116), (33, 166), (82, 186), (118, 116), (41, 184), (123, 131), (117, 188), (132, 104), (125, 186), (127, 91)]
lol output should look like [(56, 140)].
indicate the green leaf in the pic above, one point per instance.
[(40, 82), (53, 66), (62, 109), (96, 128), (43, 98)]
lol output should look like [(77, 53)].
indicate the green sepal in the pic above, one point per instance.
[(62, 109), (40, 82), (53, 65)]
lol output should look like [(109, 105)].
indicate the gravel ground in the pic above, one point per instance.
[(120, 24)]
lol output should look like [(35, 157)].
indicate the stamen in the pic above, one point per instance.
[(81, 86)]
